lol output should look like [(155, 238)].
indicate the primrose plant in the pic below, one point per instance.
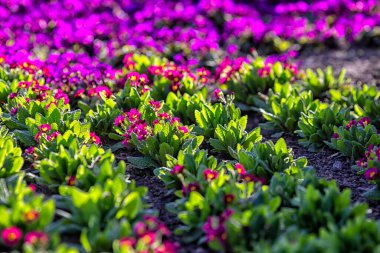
[(369, 165), (354, 138), (26, 217)]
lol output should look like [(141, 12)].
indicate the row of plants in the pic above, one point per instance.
[(48, 147), (234, 191)]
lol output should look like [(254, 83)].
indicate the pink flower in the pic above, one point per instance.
[(12, 95), (249, 177), (13, 111), (79, 93), (133, 115), (36, 238), (127, 242), (164, 115), (95, 139), (37, 136), (218, 93), (155, 104), (240, 169), (183, 129), (11, 236), (119, 120), (44, 128), (134, 78), (174, 120), (210, 174), (177, 169), (335, 136), (148, 238), (24, 85), (32, 187), (140, 228), (371, 174)]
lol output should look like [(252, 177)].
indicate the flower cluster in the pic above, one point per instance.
[(370, 163), (149, 235)]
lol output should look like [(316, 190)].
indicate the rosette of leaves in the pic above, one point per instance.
[(321, 81), (82, 166), (11, 160), (185, 106), (102, 214), (103, 116), (232, 138), (317, 126), (264, 159), (286, 105), (254, 84), (363, 100), (358, 235), (166, 140), (22, 208), (210, 116), (193, 160), (354, 141)]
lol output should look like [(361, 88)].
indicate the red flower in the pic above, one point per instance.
[(31, 216), (210, 174), (71, 181), (11, 236), (228, 198)]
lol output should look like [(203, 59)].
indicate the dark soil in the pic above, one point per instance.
[(362, 65)]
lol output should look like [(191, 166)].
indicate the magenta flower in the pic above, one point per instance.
[(335, 136), (177, 169), (12, 95), (36, 238), (175, 120), (44, 128), (371, 174), (24, 85), (11, 236), (127, 242), (218, 93), (183, 129), (95, 139), (133, 115), (155, 104), (79, 93), (240, 169), (210, 174), (119, 120), (364, 121)]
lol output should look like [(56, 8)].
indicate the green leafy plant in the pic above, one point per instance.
[(105, 211), (321, 81), (26, 213), (82, 166), (317, 126), (232, 138), (363, 100), (353, 139), (257, 78), (285, 108), (264, 159), (11, 160), (210, 116)]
